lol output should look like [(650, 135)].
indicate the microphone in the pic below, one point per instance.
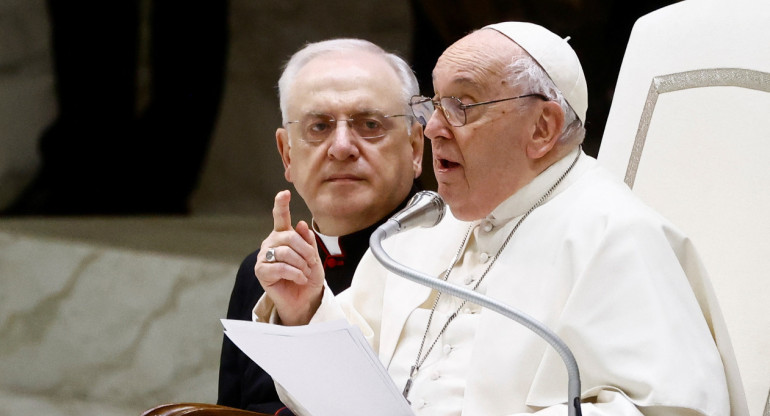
[(426, 209)]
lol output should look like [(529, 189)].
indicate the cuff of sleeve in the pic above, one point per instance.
[(329, 310), (264, 310)]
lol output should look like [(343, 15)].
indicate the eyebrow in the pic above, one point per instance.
[(468, 82), (366, 111)]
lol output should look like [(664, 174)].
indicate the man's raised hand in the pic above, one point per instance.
[(293, 278)]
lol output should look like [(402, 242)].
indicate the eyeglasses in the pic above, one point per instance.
[(315, 128), (453, 108)]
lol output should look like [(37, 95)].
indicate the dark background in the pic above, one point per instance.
[(170, 107)]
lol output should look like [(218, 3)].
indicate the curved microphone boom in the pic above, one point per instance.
[(426, 209)]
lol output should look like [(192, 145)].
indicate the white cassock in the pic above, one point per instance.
[(619, 284)]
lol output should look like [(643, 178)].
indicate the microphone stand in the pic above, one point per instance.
[(391, 227)]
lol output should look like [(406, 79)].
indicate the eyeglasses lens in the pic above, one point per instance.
[(453, 111), (423, 108), (318, 127)]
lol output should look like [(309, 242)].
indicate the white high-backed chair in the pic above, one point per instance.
[(689, 132)]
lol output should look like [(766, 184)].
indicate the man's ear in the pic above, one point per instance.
[(284, 148), (417, 142), (547, 130)]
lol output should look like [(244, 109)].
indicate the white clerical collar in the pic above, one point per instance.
[(332, 242), (518, 203)]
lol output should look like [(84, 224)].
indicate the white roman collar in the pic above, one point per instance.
[(331, 242)]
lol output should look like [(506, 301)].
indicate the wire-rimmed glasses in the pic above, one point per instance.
[(452, 107), (317, 127)]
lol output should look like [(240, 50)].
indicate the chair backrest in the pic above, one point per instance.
[(689, 131)]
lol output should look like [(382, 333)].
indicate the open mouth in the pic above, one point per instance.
[(447, 164)]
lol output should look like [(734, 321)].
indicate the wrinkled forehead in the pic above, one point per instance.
[(345, 83), (478, 61)]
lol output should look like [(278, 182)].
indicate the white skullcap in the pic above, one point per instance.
[(557, 58)]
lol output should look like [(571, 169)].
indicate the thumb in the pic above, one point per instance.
[(281, 212)]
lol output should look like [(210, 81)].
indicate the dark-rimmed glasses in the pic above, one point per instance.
[(452, 107), (317, 127)]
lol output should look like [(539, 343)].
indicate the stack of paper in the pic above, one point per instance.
[(328, 368)]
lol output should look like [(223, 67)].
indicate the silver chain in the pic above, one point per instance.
[(420, 360)]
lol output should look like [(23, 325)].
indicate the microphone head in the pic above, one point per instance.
[(425, 209)]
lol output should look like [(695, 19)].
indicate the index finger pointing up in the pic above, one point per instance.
[(281, 213)]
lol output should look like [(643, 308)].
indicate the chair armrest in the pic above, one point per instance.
[(197, 409)]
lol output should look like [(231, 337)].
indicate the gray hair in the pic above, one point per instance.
[(525, 70), (409, 86)]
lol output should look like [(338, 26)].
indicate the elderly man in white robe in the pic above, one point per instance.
[(535, 223)]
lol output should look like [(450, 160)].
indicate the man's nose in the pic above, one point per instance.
[(437, 126), (344, 144)]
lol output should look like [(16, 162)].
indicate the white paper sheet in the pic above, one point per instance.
[(328, 368)]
